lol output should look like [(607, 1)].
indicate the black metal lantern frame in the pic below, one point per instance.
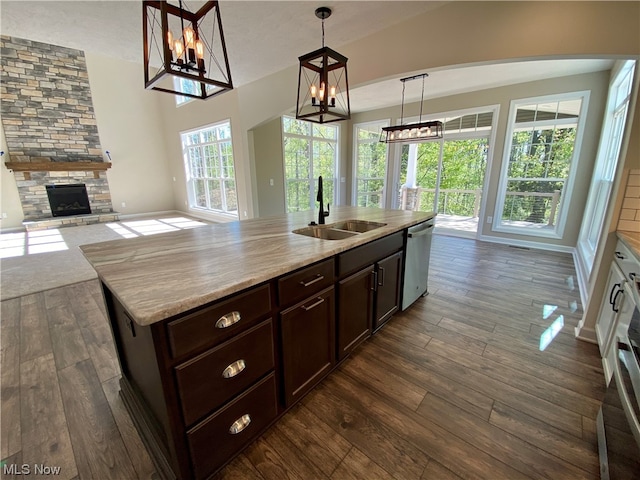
[(323, 84), (184, 52), (412, 132)]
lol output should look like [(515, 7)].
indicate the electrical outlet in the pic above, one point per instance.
[(124, 204), (489, 219), (174, 179), (4, 215), (271, 182)]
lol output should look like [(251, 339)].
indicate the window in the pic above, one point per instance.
[(310, 151), (370, 165), (185, 85), (540, 160), (208, 157), (606, 163), (448, 176)]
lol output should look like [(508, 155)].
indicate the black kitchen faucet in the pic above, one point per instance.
[(321, 211)]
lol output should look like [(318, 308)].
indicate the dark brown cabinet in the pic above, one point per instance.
[(355, 309), (388, 272), (210, 379), (371, 295), (216, 439), (308, 343)]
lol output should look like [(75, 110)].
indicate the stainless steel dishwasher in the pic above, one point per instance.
[(416, 270)]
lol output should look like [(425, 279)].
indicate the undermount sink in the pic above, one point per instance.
[(359, 226), (339, 230)]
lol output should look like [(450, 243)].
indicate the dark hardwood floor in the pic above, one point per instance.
[(455, 387)]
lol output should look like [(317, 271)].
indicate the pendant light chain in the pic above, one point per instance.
[(402, 107), (323, 33), (422, 98)]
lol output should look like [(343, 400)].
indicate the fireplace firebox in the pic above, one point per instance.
[(66, 200)]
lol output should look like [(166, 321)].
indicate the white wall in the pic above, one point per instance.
[(9, 198), (130, 126)]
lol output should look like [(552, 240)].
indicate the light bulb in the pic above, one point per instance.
[(179, 48), (189, 37), (170, 39), (199, 49), (313, 91), (321, 95), (333, 92)]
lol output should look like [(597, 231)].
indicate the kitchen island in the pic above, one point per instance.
[(220, 329)]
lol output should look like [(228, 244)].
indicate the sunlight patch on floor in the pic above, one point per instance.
[(151, 227), (28, 243), (18, 244)]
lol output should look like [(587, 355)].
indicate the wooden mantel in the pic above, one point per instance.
[(57, 166)]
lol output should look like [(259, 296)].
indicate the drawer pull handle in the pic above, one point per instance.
[(313, 305), (240, 424), (229, 319), (234, 369), (317, 279), (619, 256)]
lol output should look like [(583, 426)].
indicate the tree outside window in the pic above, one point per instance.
[(310, 150), (537, 173), (371, 165)]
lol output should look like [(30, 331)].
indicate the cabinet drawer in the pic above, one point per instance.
[(299, 285), (212, 442), (360, 257), (210, 379), (219, 322)]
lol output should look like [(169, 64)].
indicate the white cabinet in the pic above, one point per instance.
[(617, 307)]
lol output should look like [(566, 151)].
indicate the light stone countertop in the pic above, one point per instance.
[(631, 240), (162, 275)]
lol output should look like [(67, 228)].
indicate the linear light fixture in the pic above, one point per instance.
[(412, 132), (184, 52), (323, 87)]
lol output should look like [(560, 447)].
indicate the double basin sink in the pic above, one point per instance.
[(339, 230)]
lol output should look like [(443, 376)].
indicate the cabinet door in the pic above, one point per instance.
[(609, 308), (355, 310), (308, 343), (388, 288)]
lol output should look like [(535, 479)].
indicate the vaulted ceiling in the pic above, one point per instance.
[(264, 37)]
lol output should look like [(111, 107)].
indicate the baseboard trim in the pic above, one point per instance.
[(586, 334), (526, 244)]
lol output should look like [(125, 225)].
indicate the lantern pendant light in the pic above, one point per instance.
[(184, 52), (323, 86)]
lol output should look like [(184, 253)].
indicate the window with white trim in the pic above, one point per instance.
[(310, 150), (541, 154), (370, 165), (208, 159), (185, 85)]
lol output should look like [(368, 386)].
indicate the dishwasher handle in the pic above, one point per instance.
[(420, 233)]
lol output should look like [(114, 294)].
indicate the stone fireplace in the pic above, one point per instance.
[(51, 130)]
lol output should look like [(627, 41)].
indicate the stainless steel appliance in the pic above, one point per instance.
[(618, 424), (416, 271)]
